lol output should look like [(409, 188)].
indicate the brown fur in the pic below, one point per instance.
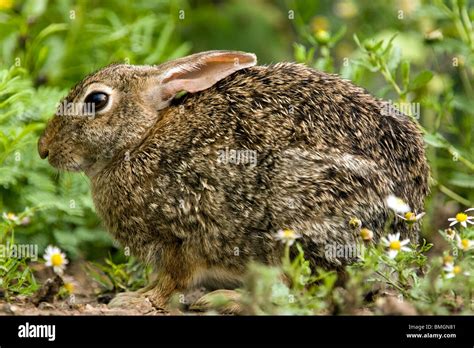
[(325, 154)]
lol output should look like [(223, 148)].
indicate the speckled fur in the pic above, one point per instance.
[(324, 154)]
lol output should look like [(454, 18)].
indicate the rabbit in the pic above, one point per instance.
[(197, 163)]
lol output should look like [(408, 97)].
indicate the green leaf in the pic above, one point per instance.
[(464, 104), (299, 52), (357, 41), (394, 59), (421, 79), (405, 69), (338, 36), (377, 46), (462, 180), (162, 43), (435, 140), (389, 45)]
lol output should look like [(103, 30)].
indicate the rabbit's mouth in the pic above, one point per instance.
[(70, 164), (76, 167), (74, 162)]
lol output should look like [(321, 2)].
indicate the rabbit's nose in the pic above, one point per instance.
[(43, 148)]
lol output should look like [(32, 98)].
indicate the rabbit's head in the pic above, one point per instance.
[(110, 111)]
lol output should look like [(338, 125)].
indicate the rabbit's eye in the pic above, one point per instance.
[(98, 99)]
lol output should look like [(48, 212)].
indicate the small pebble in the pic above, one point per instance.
[(88, 307), (45, 305), (9, 308)]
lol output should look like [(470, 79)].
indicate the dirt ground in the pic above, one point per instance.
[(85, 299)]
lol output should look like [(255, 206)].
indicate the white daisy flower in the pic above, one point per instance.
[(287, 236), (462, 218), (397, 204), (10, 217), (395, 245), (55, 258), (464, 244), (450, 233), (452, 270), (411, 218)]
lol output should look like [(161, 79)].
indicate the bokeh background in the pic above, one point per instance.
[(408, 51)]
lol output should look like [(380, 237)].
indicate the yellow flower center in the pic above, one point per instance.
[(355, 222), (395, 245), (465, 244), (320, 23), (410, 216), (457, 269), (57, 260), (288, 233), (366, 234), (447, 259), (461, 217), (69, 287)]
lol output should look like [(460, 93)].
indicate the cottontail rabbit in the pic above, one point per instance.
[(198, 184)]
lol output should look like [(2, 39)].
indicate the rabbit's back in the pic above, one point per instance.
[(264, 149), (286, 108), (325, 150)]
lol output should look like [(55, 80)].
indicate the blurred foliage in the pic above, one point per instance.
[(128, 275), (409, 281), (410, 52)]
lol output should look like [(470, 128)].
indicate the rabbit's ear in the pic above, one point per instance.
[(198, 72)]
